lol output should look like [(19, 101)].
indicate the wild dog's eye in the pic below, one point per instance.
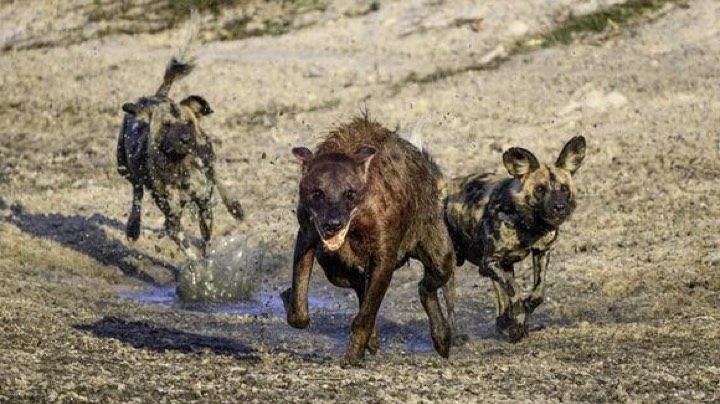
[(540, 189), (317, 195), (350, 195), (565, 188)]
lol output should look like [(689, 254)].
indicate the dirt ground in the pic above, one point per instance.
[(633, 286)]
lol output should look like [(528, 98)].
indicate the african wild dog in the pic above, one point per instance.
[(497, 221), (162, 147), (368, 202)]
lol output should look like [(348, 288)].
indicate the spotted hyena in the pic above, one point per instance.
[(369, 201), (496, 221)]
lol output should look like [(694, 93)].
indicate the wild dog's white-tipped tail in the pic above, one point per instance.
[(192, 28), (183, 63)]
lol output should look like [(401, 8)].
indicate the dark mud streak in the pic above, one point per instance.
[(84, 235), (144, 335)]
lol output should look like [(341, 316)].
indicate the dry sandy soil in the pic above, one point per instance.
[(634, 285)]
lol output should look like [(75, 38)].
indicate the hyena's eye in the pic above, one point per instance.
[(317, 195), (350, 195), (540, 189)]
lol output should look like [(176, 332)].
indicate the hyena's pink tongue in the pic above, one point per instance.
[(335, 242)]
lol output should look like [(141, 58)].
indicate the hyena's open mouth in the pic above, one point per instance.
[(335, 241)]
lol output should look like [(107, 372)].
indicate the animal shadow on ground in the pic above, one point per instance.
[(144, 335), (85, 235)]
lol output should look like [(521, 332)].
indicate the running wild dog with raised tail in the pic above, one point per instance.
[(368, 202), (497, 221), (162, 147)]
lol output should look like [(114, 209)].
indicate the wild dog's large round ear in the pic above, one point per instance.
[(130, 108), (572, 154), (363, 156), (303, 154), (520, 162), (198, 105)]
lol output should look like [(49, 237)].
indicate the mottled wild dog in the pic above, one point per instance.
[(368, 202), (162, 147), (497, 221)]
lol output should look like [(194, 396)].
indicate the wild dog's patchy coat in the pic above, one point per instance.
[(162, 147), (368, 202), (497, 221)]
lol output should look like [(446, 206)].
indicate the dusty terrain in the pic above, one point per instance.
[(634, 284)]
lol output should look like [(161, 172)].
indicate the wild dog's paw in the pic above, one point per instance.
[(516, 332), (532, 303), (510, 328), (373, 344), (442, 340), (132, 230)]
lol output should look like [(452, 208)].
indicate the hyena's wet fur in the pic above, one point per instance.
[(162, 147), (496, 221), (368, 202)]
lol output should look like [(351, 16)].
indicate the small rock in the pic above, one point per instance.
[(517, 29)]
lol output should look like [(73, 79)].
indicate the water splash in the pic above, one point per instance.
[(230, 272)]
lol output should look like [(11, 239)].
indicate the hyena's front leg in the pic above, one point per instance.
[(295, 299), (537, 296), (380, 274), (511, 313)]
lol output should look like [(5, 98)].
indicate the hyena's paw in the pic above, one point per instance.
[(295, 318), (460, 339), (354, 356)]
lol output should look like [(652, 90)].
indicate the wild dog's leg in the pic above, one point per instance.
[(121, 155), (450, 297), (132, 230), (206, 224), (537, 296), (295, 299), (438, 258), (503, 301), (172, 209), (344, 276), (380, 271), (511, 318)]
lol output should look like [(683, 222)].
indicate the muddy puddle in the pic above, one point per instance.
[(265, 302)]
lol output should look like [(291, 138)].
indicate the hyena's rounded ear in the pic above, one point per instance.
[(520, 162), (572, 154), (363, 156), (131, 108), (198, 105), (303, 154)]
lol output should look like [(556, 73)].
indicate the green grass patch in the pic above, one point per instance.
[(270, 17), (576, 27), (573, 29)]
